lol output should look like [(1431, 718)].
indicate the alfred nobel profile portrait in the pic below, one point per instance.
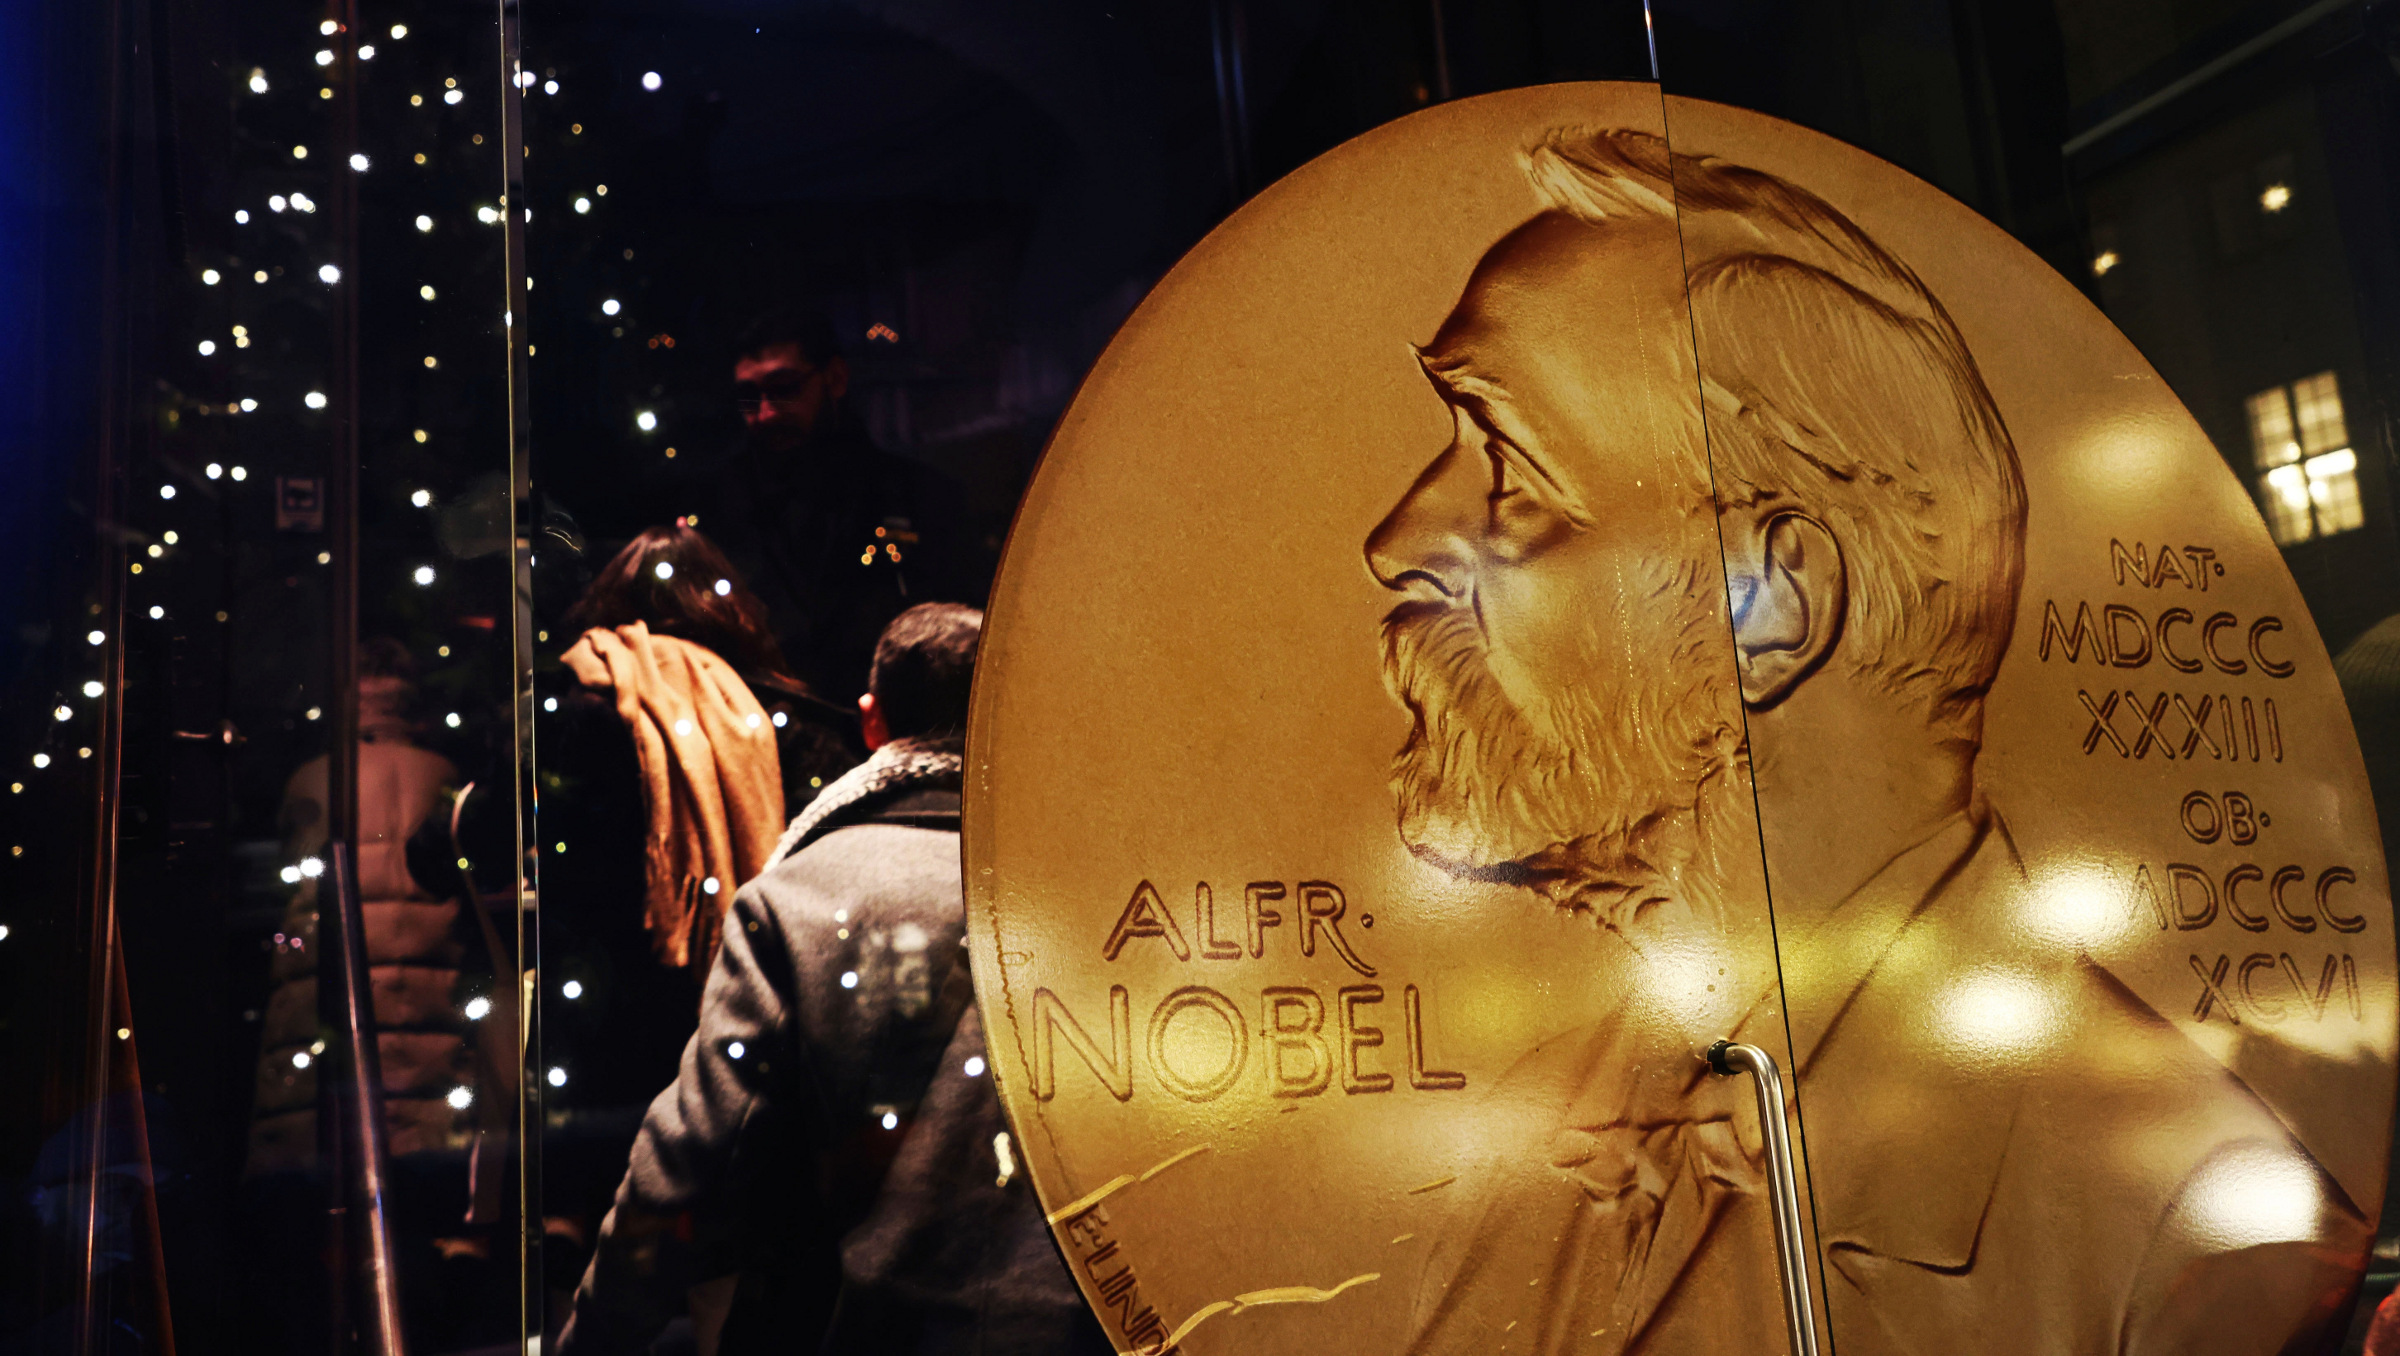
[(1690, 586)]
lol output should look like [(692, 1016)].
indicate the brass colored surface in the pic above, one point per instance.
[(1384, 760)]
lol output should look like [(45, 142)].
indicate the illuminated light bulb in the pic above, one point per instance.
[(651, 80), (324, 58), (583, 205), (259, 277), (208, 277), (315, 400), (486, 215), (169, 537), (290, 875), (299, 153), (312, 867), (156, 551), (278, 202), (426, 291), (663, 570), (248, 405), (708, 886), (974, 1066), (421, 498), (549, 703), (549, 87), (2276, 197), (98, 637), (93, 688), (452, 97), (241, 217), (399, 31), (452, 720), (478, 1008), (646, 421), (557, 1077), (2103, 262), (420, 435), (41, 760), (572, 989), (752, 720), (735, 1049), (891, 1120), (207, 346), (166, 491), (314, 713), (358, 161), (724, 587), (299, 1059), (3, 932), (329, 28), (461, 1097), (610, 307), (424, 223), (329, 273), (326, 92), (158, 613), (558, 847), (849, 979), (417, 101), (366, 51), (83, 753), (66, 713), (258, 81), (424, 575), (304, 202), (431, 362), (239, 472), (780, 720)]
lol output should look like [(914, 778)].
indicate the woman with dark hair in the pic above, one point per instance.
[(670, 750)]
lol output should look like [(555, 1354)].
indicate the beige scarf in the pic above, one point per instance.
[(709, 774)]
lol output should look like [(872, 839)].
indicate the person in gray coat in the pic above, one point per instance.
[(833, 1153)]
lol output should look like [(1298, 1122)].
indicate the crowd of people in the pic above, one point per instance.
[(779, 1129)]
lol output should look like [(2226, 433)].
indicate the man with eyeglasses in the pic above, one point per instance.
[(835, 534)]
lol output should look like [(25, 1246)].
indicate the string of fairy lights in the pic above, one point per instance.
[(246, 301)]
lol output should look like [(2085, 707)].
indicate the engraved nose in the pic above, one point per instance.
[(1429, 535)]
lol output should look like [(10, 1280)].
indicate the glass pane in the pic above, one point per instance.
[(2271, 439), (2016, 809), (262, 934), (2322, 428)]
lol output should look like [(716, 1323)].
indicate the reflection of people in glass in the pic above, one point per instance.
[(648, 814), (412, 940), (834, 1138), (836, 535), (2008, 1151)]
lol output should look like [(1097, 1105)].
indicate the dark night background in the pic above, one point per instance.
[(977, 193)]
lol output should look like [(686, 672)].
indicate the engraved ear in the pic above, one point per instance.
[(1790, 594)]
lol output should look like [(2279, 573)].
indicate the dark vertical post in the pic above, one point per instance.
[(109, 558), (524, 986), (363, 1177)]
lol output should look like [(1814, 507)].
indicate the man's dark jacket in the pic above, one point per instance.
[(825, 1139)]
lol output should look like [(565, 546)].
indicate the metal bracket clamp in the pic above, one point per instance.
[(1783, 1184)]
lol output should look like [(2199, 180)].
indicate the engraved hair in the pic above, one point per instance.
[(1834, 383)]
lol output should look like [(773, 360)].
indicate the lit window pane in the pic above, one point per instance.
[(2333, 487), (2283, 498), (2321, 426), (2272, 440)]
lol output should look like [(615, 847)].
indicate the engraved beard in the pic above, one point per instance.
[(1491, 789)]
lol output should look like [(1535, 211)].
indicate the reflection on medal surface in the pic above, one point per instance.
[(1799, 618)]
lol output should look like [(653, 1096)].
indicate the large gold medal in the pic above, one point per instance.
[(1569, 577)]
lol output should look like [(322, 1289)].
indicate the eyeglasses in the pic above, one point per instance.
[(778, 387)]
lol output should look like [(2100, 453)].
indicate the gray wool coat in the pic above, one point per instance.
[(830, 1137)]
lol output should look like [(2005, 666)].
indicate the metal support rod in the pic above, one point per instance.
[(1783, 1185), (364, 1093)]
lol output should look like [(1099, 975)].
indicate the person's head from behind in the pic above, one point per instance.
[(789, 377), (924, 666), (677, 583)]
